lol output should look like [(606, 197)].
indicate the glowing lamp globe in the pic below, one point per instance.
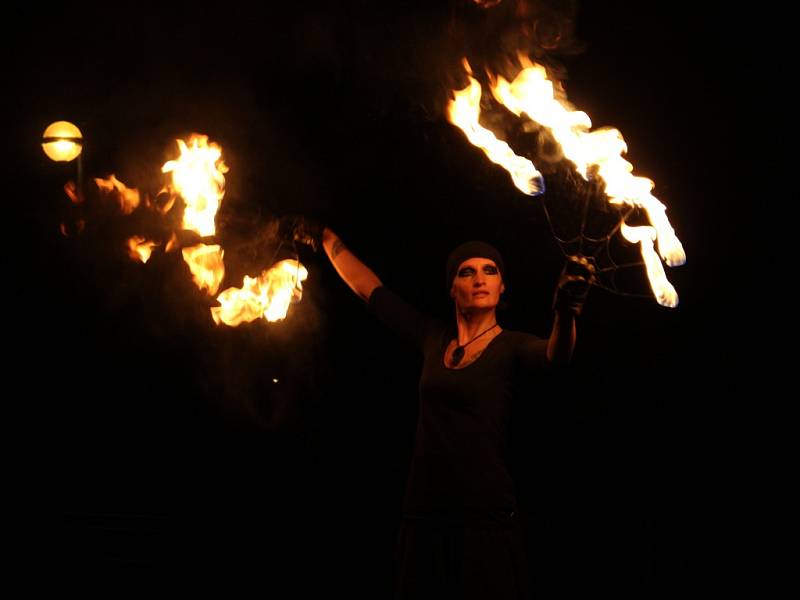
[(62, 141)]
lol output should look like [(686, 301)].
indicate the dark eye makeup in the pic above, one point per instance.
[(469, 271)]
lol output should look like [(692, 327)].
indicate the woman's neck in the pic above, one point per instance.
[(473, 323)]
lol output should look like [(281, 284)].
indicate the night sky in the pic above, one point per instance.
[(654, 466)]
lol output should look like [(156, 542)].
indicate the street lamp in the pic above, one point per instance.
[(62, 142)]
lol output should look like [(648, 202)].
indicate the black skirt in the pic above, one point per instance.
[(449, 560)]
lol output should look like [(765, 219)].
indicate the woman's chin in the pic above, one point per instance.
[(478, 307)]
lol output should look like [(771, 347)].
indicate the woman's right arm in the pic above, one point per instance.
[(355, 274)]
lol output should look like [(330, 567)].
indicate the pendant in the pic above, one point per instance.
[(458, 354)]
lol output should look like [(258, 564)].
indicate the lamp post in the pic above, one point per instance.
[(62, 142)]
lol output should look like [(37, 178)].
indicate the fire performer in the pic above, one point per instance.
[(460, 531)]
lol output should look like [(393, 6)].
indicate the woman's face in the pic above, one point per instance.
[(477, 285)]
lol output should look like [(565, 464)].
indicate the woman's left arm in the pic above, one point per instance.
[(573, 286), (562, 338)]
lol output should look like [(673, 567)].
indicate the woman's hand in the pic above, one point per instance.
[(297, 228), (574, 284)]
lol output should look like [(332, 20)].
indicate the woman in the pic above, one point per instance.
[(460, 536)]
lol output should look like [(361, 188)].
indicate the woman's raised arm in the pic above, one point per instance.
[(573, 286), (353, 272)]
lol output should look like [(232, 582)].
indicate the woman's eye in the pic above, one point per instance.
[(466, 272), (490, 270)]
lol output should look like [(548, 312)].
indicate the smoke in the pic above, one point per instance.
[(494, 36), (415, 55)]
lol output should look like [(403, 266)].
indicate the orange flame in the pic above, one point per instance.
[(198, 176), (140, 249), (464, 111), (533, 94), (71, 190), (172, 244), (645, 236), (268, 296), (128, 198), (205, 263), (165, 200), (77, 228)]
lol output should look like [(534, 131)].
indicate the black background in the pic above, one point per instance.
[(656, 466)]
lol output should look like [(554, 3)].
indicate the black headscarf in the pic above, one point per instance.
[(473, 249)]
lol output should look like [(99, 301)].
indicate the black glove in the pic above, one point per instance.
[(297, 228), (576, 279)]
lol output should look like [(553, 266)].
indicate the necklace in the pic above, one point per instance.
[(458, 353)]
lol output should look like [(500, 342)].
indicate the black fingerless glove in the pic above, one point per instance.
[(576, 279), (297, 228), (309, 232)]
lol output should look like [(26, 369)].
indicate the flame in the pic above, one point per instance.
[(600, 151), (128, 198), (198, 176), (165, 200), (268, 296), (533, 94), (140, 249), (172, 244), (662, 289), (205, 263), (76, 228), (71, 190), (464, 111)]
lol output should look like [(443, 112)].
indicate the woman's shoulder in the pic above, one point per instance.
[(385, 299), (520, 337), (403, 317), (529, 349)]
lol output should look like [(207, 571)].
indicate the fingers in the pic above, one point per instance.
[(578, 266), (579, 260), (577, 288), (576, 280), (308, 232)]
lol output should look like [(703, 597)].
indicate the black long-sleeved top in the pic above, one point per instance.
[(459, 466)]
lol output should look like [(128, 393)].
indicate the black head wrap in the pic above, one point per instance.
[(473, 249)]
